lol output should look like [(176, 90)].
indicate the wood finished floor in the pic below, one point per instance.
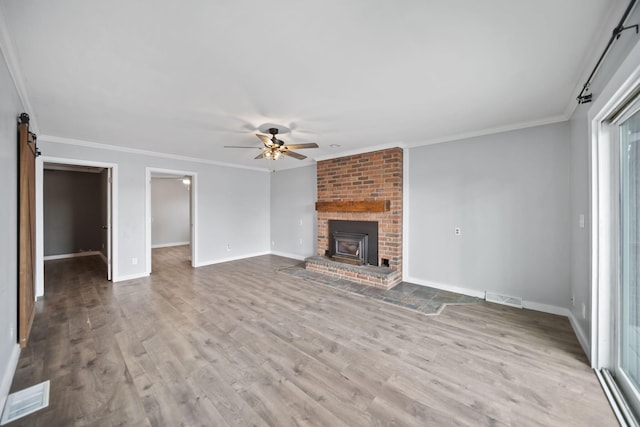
[(239, 344)]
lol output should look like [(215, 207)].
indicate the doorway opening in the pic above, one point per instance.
[(75, 213), (170, 218)]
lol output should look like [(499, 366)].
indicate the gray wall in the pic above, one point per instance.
[(580, 253), (72, 212), (170, 222), (293, 215), (509, 194), (233, 205), (10, 108), (243, 205)]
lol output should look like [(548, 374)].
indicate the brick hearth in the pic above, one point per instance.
[(375, 176)]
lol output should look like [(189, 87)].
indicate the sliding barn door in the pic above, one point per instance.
[(27, 227)]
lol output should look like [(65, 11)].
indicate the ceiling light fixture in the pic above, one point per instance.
[(273, 153), (274, 148), (335, 146)]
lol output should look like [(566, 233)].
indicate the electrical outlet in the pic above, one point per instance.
[(11, 332), (134, 261), (584, 311), (273, 243), (573, 301), (228, 247), (300, 221), (300, 241), (457, 231)]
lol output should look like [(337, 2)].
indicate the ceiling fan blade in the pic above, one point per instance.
[(265, 140), (261, 155), (240, 146), (294, 155), (301, 146)]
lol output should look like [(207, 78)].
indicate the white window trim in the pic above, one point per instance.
[(603, 211)]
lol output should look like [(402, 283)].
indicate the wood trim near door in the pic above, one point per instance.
[(27, 152)]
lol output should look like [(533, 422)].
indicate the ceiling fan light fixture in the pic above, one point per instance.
[(273, 153), (274, 148)]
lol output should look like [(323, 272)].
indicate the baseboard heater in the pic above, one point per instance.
[(503, 299)]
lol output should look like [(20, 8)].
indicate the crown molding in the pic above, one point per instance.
[(368, 149), (449, 138), (362, 150), (101, 146), (7, 47), (490, 131)]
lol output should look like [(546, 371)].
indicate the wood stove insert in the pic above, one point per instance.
[(353, 242)]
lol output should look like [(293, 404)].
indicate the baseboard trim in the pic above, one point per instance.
[(445, 287), (289, 255), (170, 245), (582, 337), (104, 258), (74, 255), (546, 308), (130, 277), (236, 258), (7, 377)]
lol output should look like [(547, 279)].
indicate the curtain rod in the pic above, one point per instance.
[(585, 98)]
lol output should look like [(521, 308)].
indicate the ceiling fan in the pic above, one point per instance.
[(275, 148)]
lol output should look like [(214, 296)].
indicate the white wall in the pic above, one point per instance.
[(580, 184), (233, 205), (170, 218), (10, 108), (293, 214), (509, 194)]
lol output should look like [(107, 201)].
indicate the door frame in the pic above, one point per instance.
[(193, 212), (622, 378), (604, 231), (603, 202), (40, 161)]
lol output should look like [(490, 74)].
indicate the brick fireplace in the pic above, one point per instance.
[(363, 187)]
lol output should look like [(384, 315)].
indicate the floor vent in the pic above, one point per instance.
[(503, 299), (25, 402)]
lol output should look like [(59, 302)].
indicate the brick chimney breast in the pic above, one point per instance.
[(375, 176)]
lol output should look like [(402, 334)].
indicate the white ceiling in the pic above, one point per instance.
[(188, 77)]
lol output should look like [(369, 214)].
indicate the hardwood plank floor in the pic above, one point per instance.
[(239, 344)]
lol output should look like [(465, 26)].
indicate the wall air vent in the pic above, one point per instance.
[(25, 402), (503, 299)]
